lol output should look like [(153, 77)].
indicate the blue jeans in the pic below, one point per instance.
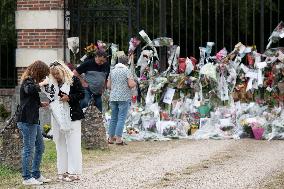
[(88, 96), (119, 110), (33, 148)]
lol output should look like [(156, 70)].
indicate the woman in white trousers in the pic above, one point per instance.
[(65, 92)]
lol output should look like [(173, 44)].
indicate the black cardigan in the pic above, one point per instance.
[(75, 95)]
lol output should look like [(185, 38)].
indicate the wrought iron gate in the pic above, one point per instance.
[(8, 44), (191, 23), (106, 20)]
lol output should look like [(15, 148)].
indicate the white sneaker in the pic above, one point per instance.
[(43, 179), (32, 181)]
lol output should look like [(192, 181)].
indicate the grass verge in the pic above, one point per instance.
[(10, 178)]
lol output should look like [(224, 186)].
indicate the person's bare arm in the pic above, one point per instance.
[(83, 82), (131, 83), (109, 83)]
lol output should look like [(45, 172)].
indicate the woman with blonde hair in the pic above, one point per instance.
[(65, 92), (28, 122)]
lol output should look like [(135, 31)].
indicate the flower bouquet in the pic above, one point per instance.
[(73, 45), (46, 131), (247, 128), (133, 44), (193, 128), (277, 34), (257, 130), (163, 41), (92, 49)]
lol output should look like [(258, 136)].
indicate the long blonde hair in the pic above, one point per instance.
[(37, 70), (65, 73)]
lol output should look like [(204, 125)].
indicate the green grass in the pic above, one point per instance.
[(49, 155), (9, 176), (12, 178)]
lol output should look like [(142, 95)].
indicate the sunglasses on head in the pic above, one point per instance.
[(54, 64)]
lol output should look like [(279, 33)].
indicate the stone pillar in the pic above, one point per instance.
[(40, 31)]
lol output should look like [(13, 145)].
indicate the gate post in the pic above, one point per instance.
[(40, 31)]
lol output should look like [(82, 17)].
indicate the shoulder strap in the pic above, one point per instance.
[(18, 108)]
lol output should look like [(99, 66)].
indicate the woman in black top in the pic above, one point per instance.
[(28, 122)]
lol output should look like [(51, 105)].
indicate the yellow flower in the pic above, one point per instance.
[(244, 122)]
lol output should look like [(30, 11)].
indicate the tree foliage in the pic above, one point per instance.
[(7, 21)]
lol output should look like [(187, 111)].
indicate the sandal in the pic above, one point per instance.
[(67, 179), (74, 177), (121, 143), (109, 141), (62, 176)]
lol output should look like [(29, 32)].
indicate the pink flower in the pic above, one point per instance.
[(255, 124), (155, 66), (143, 77), (101, 45), (221, 54)]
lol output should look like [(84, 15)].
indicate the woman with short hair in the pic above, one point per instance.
[(120, 82)]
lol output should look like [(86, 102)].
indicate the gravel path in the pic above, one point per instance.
[(184, 164)]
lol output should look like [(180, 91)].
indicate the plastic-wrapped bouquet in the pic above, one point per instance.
[(277, 34), (133, 44), (73, 45), (257, 130)]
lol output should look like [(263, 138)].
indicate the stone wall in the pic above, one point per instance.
[(10, 137), (7, 99)]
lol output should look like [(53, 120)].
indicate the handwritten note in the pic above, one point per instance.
[(169, 96)]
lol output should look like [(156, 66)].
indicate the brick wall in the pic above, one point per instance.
[(39, 4), (40, 38)]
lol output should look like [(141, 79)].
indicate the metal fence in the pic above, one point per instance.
[(191, 23), (106, 20), (8, 44)]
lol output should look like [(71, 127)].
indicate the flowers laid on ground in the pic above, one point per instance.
[(240, 87)]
